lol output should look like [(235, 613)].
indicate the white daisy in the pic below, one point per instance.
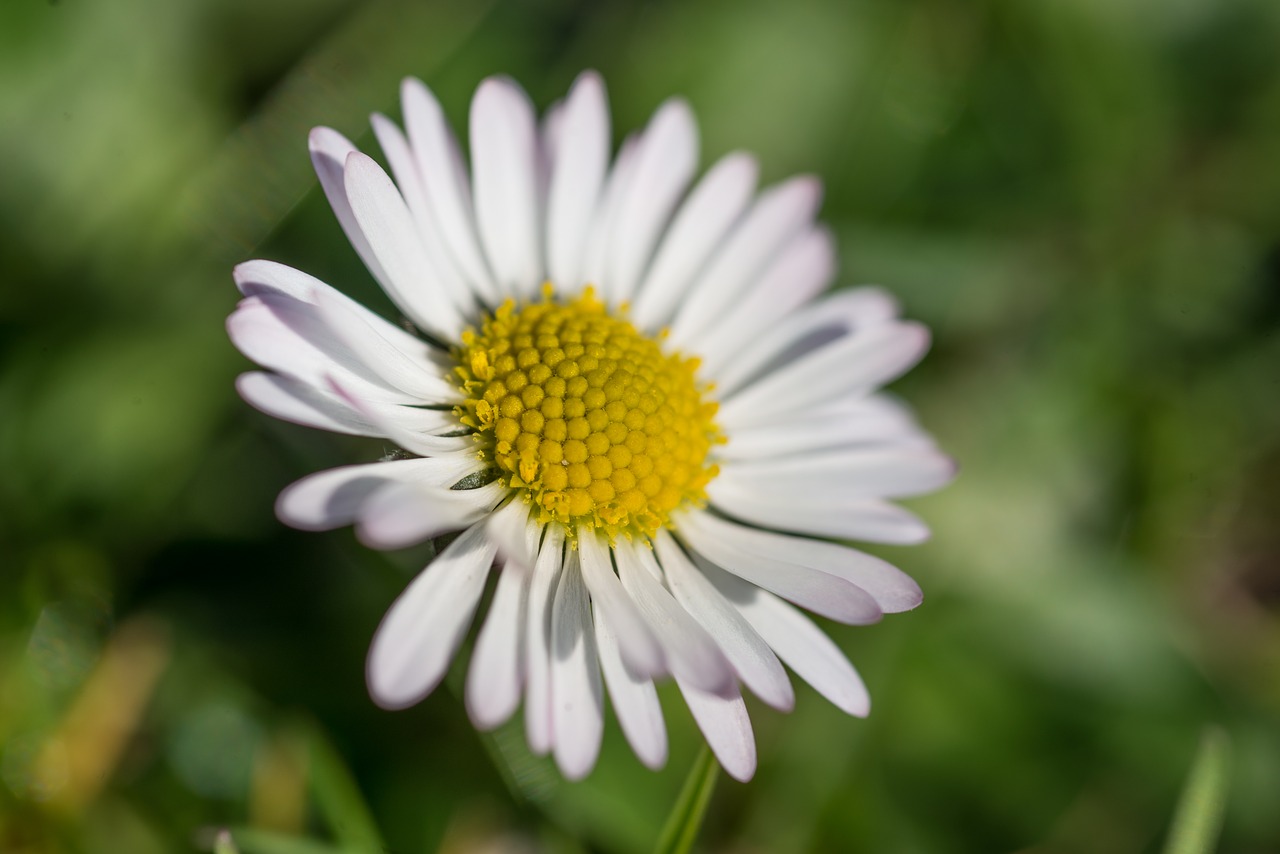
[(627, 394)]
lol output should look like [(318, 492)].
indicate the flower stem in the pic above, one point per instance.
[(686, 816), (1204, 797)]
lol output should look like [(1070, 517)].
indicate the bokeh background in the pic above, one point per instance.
[(1080, 197)]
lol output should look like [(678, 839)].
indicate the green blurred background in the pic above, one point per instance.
[(1080, 197)]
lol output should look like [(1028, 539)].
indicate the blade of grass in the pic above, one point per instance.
[(686, 816), (338, 798), (1198, 818)]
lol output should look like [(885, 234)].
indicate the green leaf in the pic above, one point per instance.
[(1204, 797), (686, 816), (338, 798)]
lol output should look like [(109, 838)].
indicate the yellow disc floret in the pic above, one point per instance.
[(590, 418)]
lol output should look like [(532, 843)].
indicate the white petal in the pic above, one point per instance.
[(876, 471), (892, 589), (750, 656), (595, 259), (819, 591), (818, 510), (402, 514), (399, 424), (415, 377), (711, 210), (445, 179), (861, 421), (538, 723), (290, 336), (257, 277), (578, 167), (812, 326), (855, 364), (666, 157), (443, 272), (301, 403), (329, 152), (577, 699), (421, 632), (779, 214), (496, 671), (798, 642), (635, 700), (504, 168), (330, 499), (640, 648), (517, 537), (727, 728), (389, 227), (550, 131), (691, 653), (799, 273)]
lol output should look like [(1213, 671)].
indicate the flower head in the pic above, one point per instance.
[(625, 393)]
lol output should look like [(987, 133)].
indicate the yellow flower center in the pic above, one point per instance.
[(589, 417)]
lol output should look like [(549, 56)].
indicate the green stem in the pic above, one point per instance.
[(1198, 819), (686, 816)]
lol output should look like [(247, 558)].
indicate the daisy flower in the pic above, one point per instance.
[(624, 392)]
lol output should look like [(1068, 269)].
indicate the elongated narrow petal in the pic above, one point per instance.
[(388, 226), (858, 364), (665, 159), (635, 700), (893, 471), (804, 330), (706, 216), (399, 424), (496, 674), (690, 651), (333, 498), (329, 152), (727, 727), (865, 422), (444, 177), (577, 700), (443, 270), (596, 253), (797, 641), (504, 165), (578, 169), (299, 402), (813, 588), (779, 214), (799, 273), (255, 278), (403, 514), (421, 632), (415, 377), (820, 512), (892, 589), (751, 657), (538, 723), (639, 645)]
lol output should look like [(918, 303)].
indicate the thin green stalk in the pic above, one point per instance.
[(686, 816), (1198, 818)]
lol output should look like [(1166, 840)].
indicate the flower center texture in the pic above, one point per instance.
[(590, 418)]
